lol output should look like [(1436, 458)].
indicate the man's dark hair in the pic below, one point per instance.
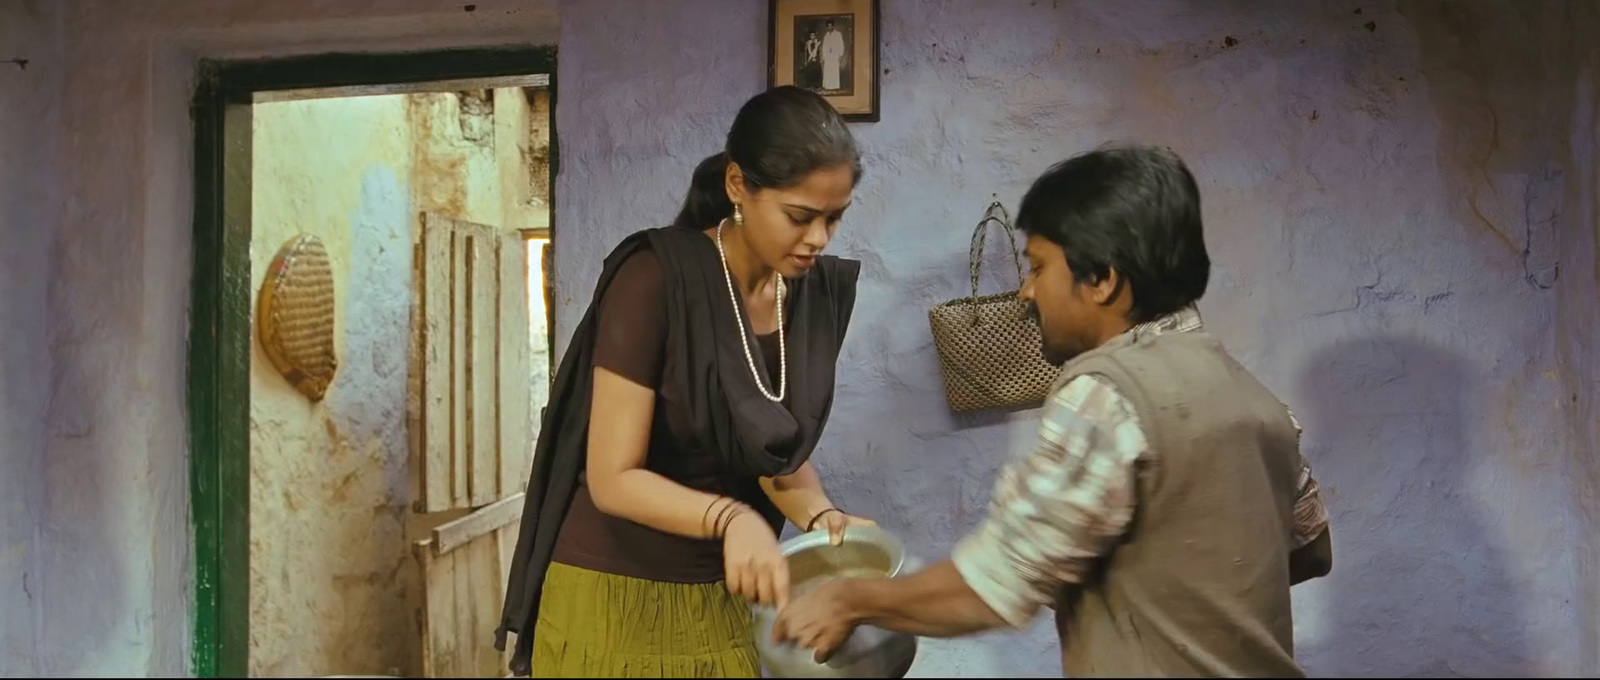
[(1133, 209)]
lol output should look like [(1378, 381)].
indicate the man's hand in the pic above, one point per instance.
[(821, 620), (934, 602)]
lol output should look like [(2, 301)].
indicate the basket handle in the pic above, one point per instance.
[(975, 251)]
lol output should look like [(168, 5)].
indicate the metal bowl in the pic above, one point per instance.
[(870, 652)]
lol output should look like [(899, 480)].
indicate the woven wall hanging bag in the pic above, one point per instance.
[(989, 346)]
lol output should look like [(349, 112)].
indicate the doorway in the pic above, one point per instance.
[(363, 288)]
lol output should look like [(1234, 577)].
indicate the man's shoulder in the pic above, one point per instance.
[(1137, 352), (1074, 389), (1089, 397)]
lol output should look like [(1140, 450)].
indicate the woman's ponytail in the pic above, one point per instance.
[(707, 202)]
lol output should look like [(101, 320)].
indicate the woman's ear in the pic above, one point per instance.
[(734, 183)]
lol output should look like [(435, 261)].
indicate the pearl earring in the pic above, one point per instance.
[(738, 215)]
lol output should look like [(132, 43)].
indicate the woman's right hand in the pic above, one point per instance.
[(755, 568)]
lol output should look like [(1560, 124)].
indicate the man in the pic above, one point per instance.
[(1165, 510), (832, 57)]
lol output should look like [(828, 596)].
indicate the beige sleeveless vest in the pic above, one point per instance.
[(1200, 586)]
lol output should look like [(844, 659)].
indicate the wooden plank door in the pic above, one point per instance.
[(473, 435), (465, 565), (475, 406)]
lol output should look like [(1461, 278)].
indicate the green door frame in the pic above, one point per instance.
[(219, 332)]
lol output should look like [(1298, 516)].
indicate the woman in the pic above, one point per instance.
[(810, 73), (684, 413)]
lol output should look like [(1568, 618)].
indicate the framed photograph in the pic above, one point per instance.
[(829, 47)]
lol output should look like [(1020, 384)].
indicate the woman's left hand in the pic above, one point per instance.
[(836, 521)]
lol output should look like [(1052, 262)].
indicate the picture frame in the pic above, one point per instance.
[(829, 47)]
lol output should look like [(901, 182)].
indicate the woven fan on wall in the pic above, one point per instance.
[(294, 316)]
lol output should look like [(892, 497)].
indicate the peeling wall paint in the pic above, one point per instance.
[(330, 572), (334, 586), (103, 255), (1388, 192)]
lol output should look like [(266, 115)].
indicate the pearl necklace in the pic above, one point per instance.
[(744, 340)]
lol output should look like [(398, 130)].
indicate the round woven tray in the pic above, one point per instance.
[(295, 316)]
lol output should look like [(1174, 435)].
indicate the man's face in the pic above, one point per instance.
[(1068, 315)]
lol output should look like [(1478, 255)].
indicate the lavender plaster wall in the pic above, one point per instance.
[(1389, 190), (96, 214), (1448, 398), (30, 56), (1577, 317)]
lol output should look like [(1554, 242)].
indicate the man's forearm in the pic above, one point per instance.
[(935, 602)]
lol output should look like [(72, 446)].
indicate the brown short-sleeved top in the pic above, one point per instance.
[(630, 340)]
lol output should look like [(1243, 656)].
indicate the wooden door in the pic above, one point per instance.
[(473, 435), (464, 568)]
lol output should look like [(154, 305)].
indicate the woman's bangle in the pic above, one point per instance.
[(707, 522), (735, 509), (717, 526), (813, 523), (726, 517)]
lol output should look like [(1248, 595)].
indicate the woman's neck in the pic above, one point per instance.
[(749, 274)]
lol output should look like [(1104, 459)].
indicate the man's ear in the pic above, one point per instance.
[(1108, 290)]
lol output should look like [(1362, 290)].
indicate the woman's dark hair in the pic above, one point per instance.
[(779, 137), (1134, 209)]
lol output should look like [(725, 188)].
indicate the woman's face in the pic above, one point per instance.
[(787, 228)]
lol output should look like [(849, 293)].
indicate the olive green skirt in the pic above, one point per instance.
[(593, 624)]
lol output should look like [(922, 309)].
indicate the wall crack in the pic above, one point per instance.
[(1541, 217)]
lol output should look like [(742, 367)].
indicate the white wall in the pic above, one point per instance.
[(330, 568)]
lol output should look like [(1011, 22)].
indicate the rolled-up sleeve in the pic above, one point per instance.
[(1060, 507), (1310, 515)]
